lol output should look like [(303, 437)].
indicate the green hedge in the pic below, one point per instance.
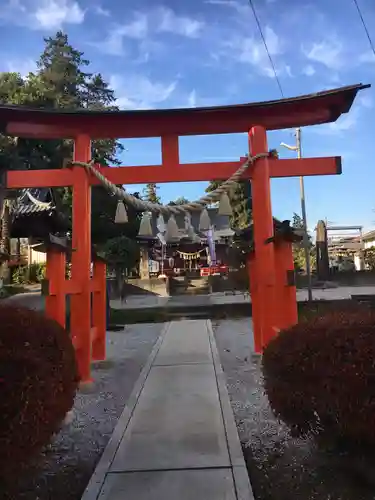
[(34, 273)]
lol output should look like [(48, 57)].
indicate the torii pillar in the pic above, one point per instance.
[(263, 275), (81, 257)]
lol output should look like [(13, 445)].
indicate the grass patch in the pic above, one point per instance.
[(163, 314), (10, 290), (213, 311), (307, 311)]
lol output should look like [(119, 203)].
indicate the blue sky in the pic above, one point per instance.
[(161, 54)]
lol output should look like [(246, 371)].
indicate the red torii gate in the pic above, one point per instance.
[(273, 295)]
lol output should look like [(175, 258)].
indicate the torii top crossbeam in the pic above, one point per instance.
[(311, 109), (322, 107)]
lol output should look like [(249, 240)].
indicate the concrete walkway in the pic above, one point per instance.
[(176, 439)]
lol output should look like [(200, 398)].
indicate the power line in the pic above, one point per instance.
[(266, 47), (365, 27)]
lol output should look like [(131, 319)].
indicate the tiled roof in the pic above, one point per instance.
[(38, 212), (369, 236), (33, 201)]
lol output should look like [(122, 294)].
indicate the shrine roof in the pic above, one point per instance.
[(32, 201), (36, 213), (304, 110)]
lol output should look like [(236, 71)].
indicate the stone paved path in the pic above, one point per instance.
[(176, 438)]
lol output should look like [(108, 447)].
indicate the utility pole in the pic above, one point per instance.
[(306, 243)]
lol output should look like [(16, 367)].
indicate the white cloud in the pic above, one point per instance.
[(273, 41), (43, 14), (327, 52), (168, 21), (249, 50), (252, 51), (344, 123), (52, 14), (280, 70), (21, 66), (240, 8), (101, 11), (309, 70), (144, 27), (192, 99), (226, 3), (139, 92), (367, 57), (365, 100), (138, 28), (112, 45)]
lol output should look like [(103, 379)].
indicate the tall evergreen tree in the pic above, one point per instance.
[(68, 85), (61, 70), (298, 248), (150, 193), (240, 198), (181, 200), (63, 80)]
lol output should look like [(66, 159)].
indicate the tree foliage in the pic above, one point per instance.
[(369, 258), (150, 193), (240, 199), (122, 253), (63, 81), (298, 248), (181, 200)]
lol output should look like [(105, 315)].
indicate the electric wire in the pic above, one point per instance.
[(266, 47), (365, 26)]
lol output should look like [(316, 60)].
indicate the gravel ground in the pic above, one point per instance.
[(281, 467), (68, 463)]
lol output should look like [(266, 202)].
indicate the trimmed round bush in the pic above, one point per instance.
[(319, 376), (38, 383)]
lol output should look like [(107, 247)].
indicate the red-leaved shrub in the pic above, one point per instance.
[(38, 382), (319, 375)]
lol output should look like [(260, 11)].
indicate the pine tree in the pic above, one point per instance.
[(181, 200), (240, 198), (298, 248), (68, 85), (150, 193), (62, 80), (60, 68)]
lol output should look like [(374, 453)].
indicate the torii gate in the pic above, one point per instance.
[(273, 294)]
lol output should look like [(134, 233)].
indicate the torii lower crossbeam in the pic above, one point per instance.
[(176, 172)]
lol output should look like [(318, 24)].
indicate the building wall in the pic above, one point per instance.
[(27, 254), (37, 257), (369, 243)]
